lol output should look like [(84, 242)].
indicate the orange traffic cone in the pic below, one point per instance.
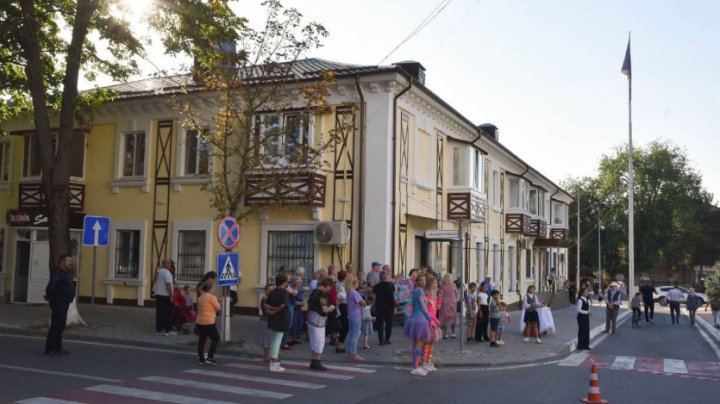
[(593, 396)]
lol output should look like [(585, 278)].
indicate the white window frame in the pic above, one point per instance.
[(194, 225), (563, 214), (478, 170), (468, 169), (135, 157), (497, 263), (6, 149), (182, 169), (139, 282), (32, 138), (535, 190), (479, 257), (523, 195), (120, 225), (265, 229), (262, 117), (512, 260), (135, 125), (529, 265), (497, 202)]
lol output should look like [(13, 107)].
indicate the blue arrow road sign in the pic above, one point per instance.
[(96, 231), (228, 268)]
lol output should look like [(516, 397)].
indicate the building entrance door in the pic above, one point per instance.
[(22, 270), (39, 271)]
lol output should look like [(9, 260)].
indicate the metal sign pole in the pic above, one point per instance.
[(92, 297)]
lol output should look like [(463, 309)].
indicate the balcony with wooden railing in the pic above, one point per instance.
[(31, 195), (294, 188), (559, 237), (559, 233), (538, 228), (466, 206), (519, 223)]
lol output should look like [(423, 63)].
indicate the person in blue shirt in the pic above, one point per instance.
[(489, 283)]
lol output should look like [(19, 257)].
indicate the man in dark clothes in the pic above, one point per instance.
[(384, 302), (59, 292), (648, 294)]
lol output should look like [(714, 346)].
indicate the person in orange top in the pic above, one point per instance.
[(208, 308)]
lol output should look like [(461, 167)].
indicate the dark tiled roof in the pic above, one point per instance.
[(304, 69)]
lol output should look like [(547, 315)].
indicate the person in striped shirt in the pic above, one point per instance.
[(504, 319)]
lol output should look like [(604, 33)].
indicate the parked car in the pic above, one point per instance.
[(662, 295)]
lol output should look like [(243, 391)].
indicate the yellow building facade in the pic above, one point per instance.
[(407, 163)]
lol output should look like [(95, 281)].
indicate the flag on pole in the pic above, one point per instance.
[(626, 69)]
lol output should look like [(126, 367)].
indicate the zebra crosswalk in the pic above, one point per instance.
[(661, 366), (238, 381)]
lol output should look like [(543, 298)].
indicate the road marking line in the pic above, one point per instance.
[(294, 372), (622, 318), (151, 395), (623, 363), (46, 400), (258, 379), (217, 387), (57, 373), (333, 367), (574, 359), (674, 366), (705, 335)]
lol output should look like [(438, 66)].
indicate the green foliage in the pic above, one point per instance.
[(56, 21), (676, 224), (712, 286), (241, 72)]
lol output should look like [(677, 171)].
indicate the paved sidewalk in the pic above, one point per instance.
[(135, 325)]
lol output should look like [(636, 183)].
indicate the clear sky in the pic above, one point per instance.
[(547, 72)]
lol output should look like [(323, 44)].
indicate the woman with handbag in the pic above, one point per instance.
[(318, 310)]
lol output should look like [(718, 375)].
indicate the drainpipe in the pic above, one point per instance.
[(394, 159), (361, 215)]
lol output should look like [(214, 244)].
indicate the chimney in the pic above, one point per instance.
[(414, 69), (227, 49), (490, 130)]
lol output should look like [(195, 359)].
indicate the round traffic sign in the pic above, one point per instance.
[(228, 232)]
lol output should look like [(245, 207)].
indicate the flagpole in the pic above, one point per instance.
[(631, 190), (577, 269)]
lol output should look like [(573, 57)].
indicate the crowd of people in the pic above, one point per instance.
[(346, 307)]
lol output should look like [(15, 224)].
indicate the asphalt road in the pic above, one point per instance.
[(657, 364)]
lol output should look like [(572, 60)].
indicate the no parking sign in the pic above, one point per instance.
[(228, 232)]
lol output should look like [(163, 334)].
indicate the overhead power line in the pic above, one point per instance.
[(434, 13)]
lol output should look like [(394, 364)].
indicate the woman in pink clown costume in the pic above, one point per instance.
[(417, 324), (433, 306)]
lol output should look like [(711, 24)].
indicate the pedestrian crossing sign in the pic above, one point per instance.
[(228, 268)]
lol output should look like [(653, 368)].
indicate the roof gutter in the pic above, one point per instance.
[(394, 159)]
